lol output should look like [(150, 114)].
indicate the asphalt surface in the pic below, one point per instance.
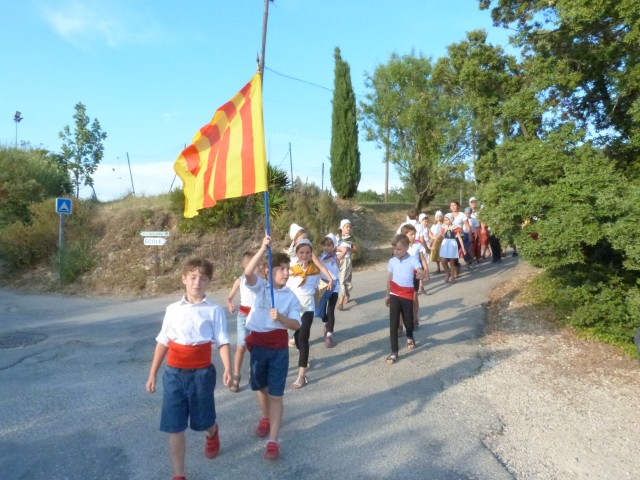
[(74, 406)]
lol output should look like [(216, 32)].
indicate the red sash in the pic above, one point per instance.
[(402, 292), (274, 339), (244, 310), (189, 356)]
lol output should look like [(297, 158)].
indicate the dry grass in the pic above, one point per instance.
[(125, 266)]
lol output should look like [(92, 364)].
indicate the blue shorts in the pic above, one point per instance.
[(241, 329), (269, 368), (187, 395)]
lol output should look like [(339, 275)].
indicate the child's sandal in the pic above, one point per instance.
[(410, 344), (300, 382), (234, 384), (392, 358)]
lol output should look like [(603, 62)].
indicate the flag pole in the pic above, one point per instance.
[(266, 192)]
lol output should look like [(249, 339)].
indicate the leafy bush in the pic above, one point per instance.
[(593, 299), (368, 196), (310, 208), (73, 260), (27, 176), (25, 244)]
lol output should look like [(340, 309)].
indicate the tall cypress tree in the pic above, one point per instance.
[(345, 156)]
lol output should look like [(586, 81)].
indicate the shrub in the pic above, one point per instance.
[(73, 260)]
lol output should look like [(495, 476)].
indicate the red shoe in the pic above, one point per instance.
[(263, 427), (272, 452), (212, 446)]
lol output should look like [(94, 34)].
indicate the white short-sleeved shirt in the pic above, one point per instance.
[(331, 264), (436, 228), (247, 296), (415, 248), (403, 270), (286, 302), (194, 324), (459, 219), (306, 292), (473, 223)]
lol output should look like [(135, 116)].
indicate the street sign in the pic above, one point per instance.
[(154, 241), (154, 234), (63, 206)]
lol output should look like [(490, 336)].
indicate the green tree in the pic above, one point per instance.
[(28, 176), (569, 192), (344, 153), (82, 149), (409, 113)]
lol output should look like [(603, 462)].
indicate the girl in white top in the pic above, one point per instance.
[(435, 240), (304, 277)]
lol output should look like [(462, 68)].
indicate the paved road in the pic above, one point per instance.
[(73, 405)]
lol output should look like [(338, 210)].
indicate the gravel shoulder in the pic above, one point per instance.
[(568, 406)]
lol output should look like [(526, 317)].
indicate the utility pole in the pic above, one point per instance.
[(133, 190), (291, 165), (17, 118), (322, 183)]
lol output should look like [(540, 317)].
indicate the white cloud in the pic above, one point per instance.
[(90, 21)]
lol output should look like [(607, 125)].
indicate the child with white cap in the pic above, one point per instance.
[(325, 309), (348, 241)]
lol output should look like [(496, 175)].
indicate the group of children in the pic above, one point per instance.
[(298, 286)]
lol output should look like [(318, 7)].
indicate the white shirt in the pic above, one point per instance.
[(473, 223), (459, 219), (436, 228), (331, 264), (286, 302), (305, 293), (194, 324), (415, 248), (403, 270), (247, 296)]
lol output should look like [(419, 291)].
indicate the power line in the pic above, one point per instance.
[(298, 79), (303, 81)]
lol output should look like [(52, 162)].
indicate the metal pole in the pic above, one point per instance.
[(60, 248), (291, 165), (322, 182), (16, 134), (133, 190), (264, 38)]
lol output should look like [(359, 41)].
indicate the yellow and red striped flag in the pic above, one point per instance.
[(227, 158)]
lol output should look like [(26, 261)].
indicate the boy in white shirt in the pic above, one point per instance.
[(268, 342), (403, 269), (189, 329)]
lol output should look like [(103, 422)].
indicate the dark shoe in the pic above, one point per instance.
[(212, 446), (263, 428), (272, 452)]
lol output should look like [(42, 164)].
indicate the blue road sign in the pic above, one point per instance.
[(63, 206)]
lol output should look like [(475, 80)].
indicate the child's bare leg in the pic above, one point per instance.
[(276, 407), (263, 402), (177, 448), (302, 372), (237, 360)]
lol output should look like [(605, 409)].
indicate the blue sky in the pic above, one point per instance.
[(155, 72)]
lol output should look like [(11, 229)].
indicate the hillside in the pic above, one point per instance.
[(125, 266)]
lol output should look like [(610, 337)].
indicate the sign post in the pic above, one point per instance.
[(158, 239), (63, 207)]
